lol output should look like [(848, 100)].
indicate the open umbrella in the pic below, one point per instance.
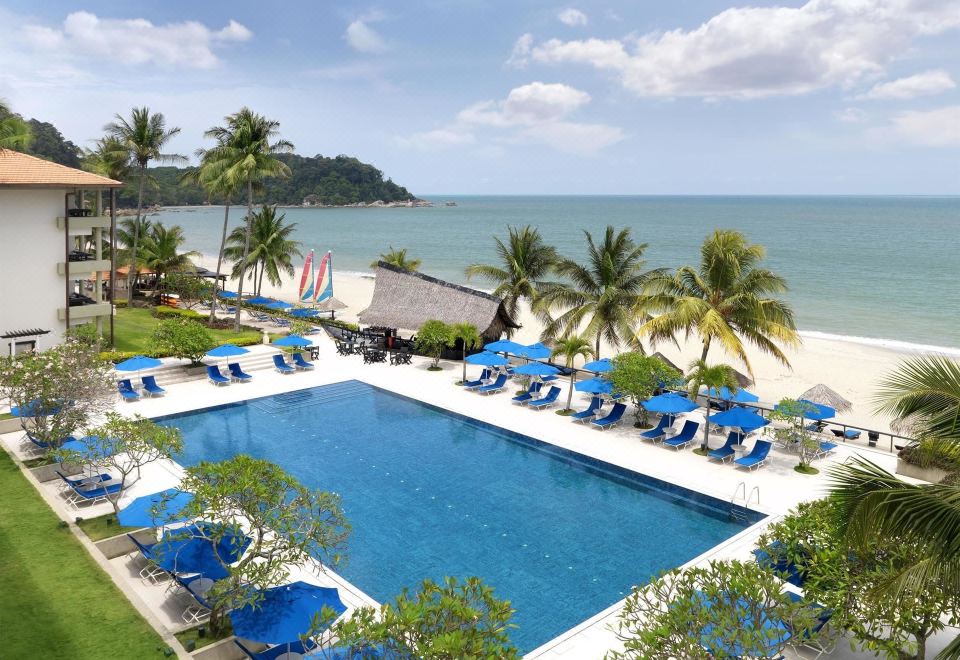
[(227, 295), (536, 369), (163, 508), (535, 351), (188, 551), (260, 300), (599, 366), (505, 346), (282, 614), (746, 420), (137, 363), (278, 305), (810, 410), (594, 386), (740, 396), (293, 340), (33, 409), (825, 396), (303, 313), (226, 351), (86, 447), (487, 359), (669, 403)]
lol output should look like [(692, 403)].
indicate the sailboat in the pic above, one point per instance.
[(306, 279), (324, 288)]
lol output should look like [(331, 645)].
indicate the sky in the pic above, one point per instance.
[(526, 97)]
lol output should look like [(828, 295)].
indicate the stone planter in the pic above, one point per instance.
[(225, 649), (932, 474), (45, 473), (11, 425), (116, 546)]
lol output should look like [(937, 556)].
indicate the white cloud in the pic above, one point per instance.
[(363, 38), (441, 138), (850, 115), (763, 51), (134, 41), (927, 83), (572, 17), (930, 128), (521, 49), (527, 105)]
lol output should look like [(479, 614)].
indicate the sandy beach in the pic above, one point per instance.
[(850, 368)]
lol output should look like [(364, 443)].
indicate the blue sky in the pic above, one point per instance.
[(476, 96)]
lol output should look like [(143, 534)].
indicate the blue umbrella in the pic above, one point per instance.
[(88, 447), (599, 366), (227, 350), (179, 551), (747, 420), (293, 340), (487, 359), (594, 386), (810, 410), (229, 295), (278, 305), (138, 362), (505, 346), (669, 403), (284, 613), (260, 300), (303, 313), (535, 351), (536, 369), (33, 409), (161, 508), (740, 396)]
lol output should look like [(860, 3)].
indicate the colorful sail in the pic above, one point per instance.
[(324, 287), (306, 279)]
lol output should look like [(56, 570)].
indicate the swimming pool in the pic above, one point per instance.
[(432, 493)]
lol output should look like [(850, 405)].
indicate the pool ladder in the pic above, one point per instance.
[(735, 512)]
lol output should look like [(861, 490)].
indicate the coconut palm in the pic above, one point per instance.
[(605, 295), (570, 347), (110, 157), (701, 374), (160, 254), (399, 259), (270, 251), (14, 132), (145, 136), (525, 260), (924, 393), (468, 334), (727, 300), (246, 154)]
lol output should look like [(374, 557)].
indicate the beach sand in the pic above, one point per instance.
[(853, 370)]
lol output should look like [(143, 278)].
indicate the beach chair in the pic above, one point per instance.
[(757, 456), (150, 573), (846, 434), (215, 377), (300, 363), (199, 609), (126, 390), (527, 396), (779, 562), (612, 418), (659, 431), (281, 365), (685, 437), (824, 449), (727, 450), (68, 483), (547, 401), (295, 649), (150, 386), (43, 444), (595, 404), (237, 374), (472, 384), (495, 386), (814, 638), (98, 493)]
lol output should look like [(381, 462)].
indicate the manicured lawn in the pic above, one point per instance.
[(57, 603), (103, 527), (133, 328), (6, 416)]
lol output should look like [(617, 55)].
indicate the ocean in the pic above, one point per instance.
[(875, 270)]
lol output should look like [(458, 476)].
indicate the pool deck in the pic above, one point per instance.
[(779, 486)]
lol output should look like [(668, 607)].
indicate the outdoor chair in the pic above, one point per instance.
[(68, 483), (300, 363), (126, 390), (528, 396), (98, 493), (584, 415), (658, 432), (41, 443), (151, 572), (471, 384), (547, 401), (824, 449), (495, 386), (400, 357), (727, 450), (281, 365), (291, 650), (199, 609), (150, 386), (343, 348), (215, 377), (757, 456), (846, 434), (237, 374), (612, 419), (780, 563), (813, 639), (685, 437)]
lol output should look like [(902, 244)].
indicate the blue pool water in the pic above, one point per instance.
[(430, 493)]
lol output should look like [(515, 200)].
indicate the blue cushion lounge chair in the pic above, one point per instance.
[(659, 430), (97, 493), (846, 434), (281, 365), (42, 444), (237, 374), (757, 456), (527, 396), (811, 638), (727, 451), (685, 437), (300, 363), (151, 572), (780, 563), (495, 386), (546, 401), (612, 418), (198, 611), (824, 449), (126, 390), (85, 482), (215, 377), (471, 384), (595, 404), (150, 386), (280, 651)]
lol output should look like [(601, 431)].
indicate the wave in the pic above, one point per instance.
[(890, 344)]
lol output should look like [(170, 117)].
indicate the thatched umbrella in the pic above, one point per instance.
[(331, 304), (742, 379), (824, 395)]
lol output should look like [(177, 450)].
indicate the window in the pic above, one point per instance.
[(24, 346)]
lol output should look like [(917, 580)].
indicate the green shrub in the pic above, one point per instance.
[(931, 454), (117, 356), (337, 323), (164, 312), (182, 338)]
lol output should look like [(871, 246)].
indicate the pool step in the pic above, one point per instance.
[(313, 397)]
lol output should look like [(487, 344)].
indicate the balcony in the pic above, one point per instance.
[(86, 224), (86, 311), (80, 269)]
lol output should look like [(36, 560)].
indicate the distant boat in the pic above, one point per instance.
[(306, 279), (449, 203)]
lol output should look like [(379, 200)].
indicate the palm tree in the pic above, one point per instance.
[(14, 132), (270, 251), (525, 260), (399, 259), (712, 377), (607, 293), (246, 154), (727, 299), (110, 157), (570, 347), (924, 392), (468, 334), (145, 135), (159, 252)]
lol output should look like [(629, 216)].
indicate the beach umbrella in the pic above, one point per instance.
[(137, 363), (825, 396), (739, 416), (303, 312), (282, 614), (810, 410), (599, 366), (293, 340), (535, 351), (594, 386), (165, 507), (226, 351), (188, 551), (487, 359), (260, 300), (227, 295), (536, 369), (33, 409), (669, 403), (505, 346), (86, 447), (740, 396), (278, 305)]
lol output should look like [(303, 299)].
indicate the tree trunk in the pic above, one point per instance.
[(706, 426), (223, 243), (464, 379), (573, 375), (597, 349), (263, 269), (706, 349), (246, 253), (131, 275)]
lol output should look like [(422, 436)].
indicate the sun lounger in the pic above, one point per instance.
[(98, 493), (294, 649), (727, 450), (780, 563), (495, 386), (69, 483), (595, 404), (612, 418), (659, 431), (471, 384), (685, 437), (41, 443), (824, 449), (547, 401), (215, 377), (281, 365), (150, 386), (198, 611), (813, 638), (300, 363), (151, 572), (527, 396), (757, 456), (237, 374), (126, 390), (846, 434)]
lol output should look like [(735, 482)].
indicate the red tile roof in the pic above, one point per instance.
[(17, 169)]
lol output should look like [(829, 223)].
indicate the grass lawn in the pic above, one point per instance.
[(56, 601), (6, 416), (133, 328), (193, 634), (103, 527)]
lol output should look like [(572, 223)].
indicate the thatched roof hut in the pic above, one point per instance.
[(826, 396), (406, 300)]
